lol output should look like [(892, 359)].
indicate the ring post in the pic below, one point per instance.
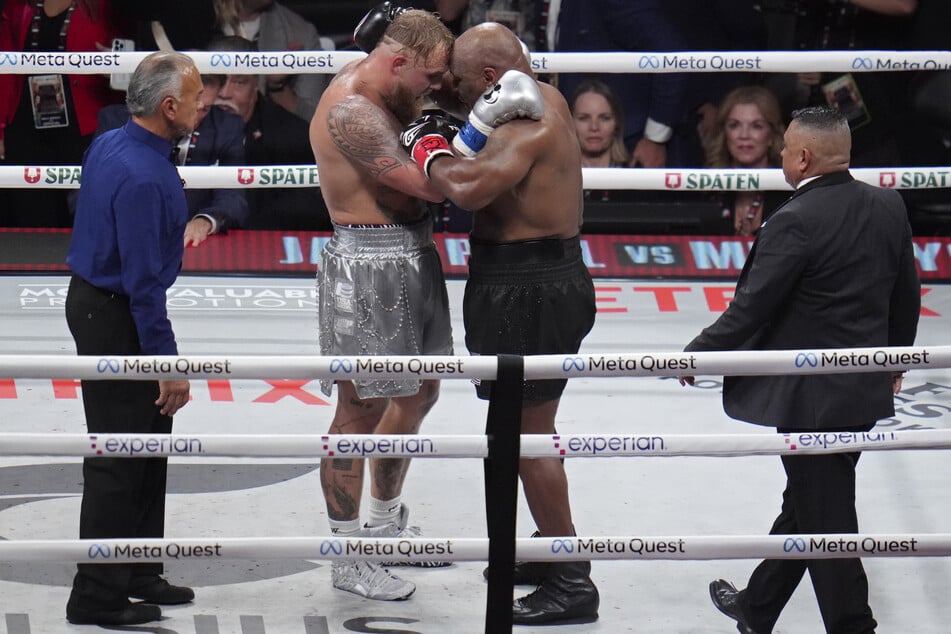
[(503, 429)]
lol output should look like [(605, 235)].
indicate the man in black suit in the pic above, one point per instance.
[(218, 140), (832, 268), (272, 136)]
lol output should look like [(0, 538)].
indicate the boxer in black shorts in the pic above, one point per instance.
[(528, 297), (516, 164)]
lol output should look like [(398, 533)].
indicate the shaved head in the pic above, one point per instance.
[(818, 141), (490, 44), (481, 55)]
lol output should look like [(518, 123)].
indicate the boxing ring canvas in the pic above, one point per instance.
[(898, 491)]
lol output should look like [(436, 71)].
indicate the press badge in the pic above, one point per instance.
[(842, 93), (49, 101)]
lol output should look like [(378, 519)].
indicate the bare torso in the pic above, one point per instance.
[(360, 163)]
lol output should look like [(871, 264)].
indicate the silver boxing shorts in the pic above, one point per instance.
[(381, 291)]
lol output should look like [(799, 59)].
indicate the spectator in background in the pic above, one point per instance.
[(272, 136), (218, 140), (718, 25), (46, 118), (521, 16), (180, 25), (273, 27), (872, 102), (599, 124), (656, 128), (747, 134)]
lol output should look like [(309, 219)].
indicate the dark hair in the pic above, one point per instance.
[(821, 118), (232, 44)]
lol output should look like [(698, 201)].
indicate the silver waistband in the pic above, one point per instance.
[(383, 238)]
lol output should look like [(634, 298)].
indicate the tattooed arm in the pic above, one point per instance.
[(361, 131)]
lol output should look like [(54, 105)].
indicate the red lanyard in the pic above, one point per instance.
[(35, 26)]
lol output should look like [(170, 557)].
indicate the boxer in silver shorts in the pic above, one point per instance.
[(381, 292)]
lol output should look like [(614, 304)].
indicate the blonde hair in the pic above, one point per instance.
[(227, 13), (421, 33), (718, 156)]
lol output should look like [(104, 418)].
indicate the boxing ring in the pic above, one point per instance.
[(245, 515)]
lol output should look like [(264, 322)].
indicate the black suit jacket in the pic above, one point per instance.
[(274, 136), (219, 140), (832, 268)]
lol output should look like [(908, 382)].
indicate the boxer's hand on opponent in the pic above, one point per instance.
[(427, 138), (515, 96), (173, 395)]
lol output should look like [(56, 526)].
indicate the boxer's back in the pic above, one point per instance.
[(547, 201)]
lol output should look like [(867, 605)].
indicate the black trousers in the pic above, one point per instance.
[(122, 497), (819, 498)]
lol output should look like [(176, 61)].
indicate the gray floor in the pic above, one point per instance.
[(39, 498)]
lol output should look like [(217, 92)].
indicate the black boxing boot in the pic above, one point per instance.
[(567, 595), (527, 573)]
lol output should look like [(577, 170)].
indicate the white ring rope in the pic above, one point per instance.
[(463, 445), (677, 547), (665, 179), (554, 366), (329, 62)]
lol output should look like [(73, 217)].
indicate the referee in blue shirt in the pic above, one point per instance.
[(126, 251)]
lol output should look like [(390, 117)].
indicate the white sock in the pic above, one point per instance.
[(384, 511), (344, 528)]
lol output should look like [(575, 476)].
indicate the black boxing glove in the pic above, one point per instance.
[(373, 25), (428, 138)]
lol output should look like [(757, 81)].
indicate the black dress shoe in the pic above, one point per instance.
[(132, 614), (566, 596), (159, 591), (726, 597)]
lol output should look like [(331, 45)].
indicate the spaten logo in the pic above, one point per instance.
[(32, 174), (246, 175)]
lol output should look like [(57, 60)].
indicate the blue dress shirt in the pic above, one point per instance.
[(128, 235)]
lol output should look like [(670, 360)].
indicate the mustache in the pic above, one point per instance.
[(225, 103)]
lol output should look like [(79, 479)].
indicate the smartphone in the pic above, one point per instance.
[(120, 81)]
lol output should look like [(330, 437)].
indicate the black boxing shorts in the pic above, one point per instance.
[(527, 297)]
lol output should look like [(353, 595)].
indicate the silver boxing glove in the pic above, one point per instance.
[(514, 96)]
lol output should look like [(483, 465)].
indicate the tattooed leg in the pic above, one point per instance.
[(402, 416), (342, 479)]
